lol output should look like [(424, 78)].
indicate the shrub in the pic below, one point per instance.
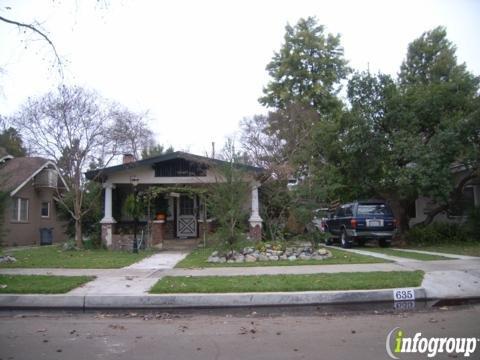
[(436, 233), (472, 224)]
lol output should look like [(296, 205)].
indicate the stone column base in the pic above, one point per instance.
[(107, 234), (158, 233), (255, 230)]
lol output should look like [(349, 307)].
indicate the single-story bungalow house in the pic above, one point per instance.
[(176, 214), (32, 184)]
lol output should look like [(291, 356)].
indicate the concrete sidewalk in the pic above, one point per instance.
[(128, 287)]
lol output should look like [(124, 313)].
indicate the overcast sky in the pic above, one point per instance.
[(199, 66)]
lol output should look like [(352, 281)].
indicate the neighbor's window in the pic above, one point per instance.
[(45, 209), (19, 209)]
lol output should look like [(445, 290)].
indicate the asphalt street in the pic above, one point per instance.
[(327, 332)]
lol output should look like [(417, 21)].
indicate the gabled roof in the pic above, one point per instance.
[(15, 173), (92, 174)]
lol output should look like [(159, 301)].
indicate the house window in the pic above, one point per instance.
[(179, 168), (19, 209), (45, 209)]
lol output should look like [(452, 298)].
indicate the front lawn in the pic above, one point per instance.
[(40, 284), (460, 248), (272, 283), (408, 255), (198, 258), (55, 257)]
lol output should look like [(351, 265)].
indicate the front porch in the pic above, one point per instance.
[(172, 189)]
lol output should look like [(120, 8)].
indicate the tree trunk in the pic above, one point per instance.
[(78, 233), (399, 208)]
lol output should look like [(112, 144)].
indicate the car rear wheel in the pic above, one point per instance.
[(384, 243), (345, 241)]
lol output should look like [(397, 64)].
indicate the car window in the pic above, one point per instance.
[(339, 212), (348, 211), (373, 209)]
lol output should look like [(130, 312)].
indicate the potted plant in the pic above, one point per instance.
[(161, 209)]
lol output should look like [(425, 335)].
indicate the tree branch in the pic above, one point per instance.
[(35, 30)]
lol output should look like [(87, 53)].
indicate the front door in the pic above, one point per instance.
[(186, 217)]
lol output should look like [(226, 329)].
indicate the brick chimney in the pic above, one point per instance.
[(128, 158)]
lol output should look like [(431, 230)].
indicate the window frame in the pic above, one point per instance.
[(18, 218), (48, 210)]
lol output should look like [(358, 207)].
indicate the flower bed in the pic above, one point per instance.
[(250, 254)]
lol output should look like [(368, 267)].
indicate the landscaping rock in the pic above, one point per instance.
[(304, 256), (318, 257), (262, 257), (323, 252), (273, 258), (222, 259), (250, 258), (7, 259), (213, 259), (292, 258), (239, 258), (215, 253), (283, 257)]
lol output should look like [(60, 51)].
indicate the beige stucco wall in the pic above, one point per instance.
[(28, 233)]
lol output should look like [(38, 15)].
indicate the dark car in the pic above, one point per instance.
[(360, 221)]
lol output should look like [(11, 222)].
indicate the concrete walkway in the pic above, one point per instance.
[(374, 254), (453, 256), (129, 286), (135, 279), (160, 261)]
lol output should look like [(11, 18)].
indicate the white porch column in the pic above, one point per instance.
[(255, 219), (108, 221), (108, 218)]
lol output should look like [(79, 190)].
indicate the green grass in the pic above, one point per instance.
[(465, 248), (198, 258), (272, 283), (40, 284), (405, 254), (55, 257)]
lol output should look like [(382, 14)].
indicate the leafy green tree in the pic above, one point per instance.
[(306, 77), (307, 69), (227, 197), (156, 150), (400, 138), (11, 141)]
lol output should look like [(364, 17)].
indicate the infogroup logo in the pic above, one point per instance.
[(397, 343)]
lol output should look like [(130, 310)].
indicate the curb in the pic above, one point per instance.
[(200, 300)]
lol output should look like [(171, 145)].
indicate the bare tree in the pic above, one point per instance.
[(71, 126), (263, 149), (131, 131)]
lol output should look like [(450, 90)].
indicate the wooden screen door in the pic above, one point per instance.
[(186, 217)]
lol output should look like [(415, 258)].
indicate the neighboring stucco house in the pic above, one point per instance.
[(182, 209), (30, 217)]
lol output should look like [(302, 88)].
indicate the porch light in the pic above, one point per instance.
[(134, 180)]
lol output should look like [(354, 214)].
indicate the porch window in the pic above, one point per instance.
[(179, 168), (19, 210)]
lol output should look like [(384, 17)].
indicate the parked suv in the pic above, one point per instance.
[(361, 221)]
